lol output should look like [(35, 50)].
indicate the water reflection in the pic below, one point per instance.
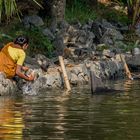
[(54, 115), (46, 119), (11, 121)]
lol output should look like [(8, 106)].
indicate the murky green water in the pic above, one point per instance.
[(53, 115)]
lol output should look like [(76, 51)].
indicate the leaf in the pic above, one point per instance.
[(37, 3)]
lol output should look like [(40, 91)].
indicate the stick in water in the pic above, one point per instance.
[(128, 73), (64, 73)]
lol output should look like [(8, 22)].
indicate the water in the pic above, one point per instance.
[(53, 115)]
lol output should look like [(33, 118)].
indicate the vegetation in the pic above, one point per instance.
[(38, 42), (112, 14), (7, 8), (133, 9), (81, 10), (77, 9)]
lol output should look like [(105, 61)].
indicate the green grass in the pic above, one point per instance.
[(111, 14), (38, 42), (80, 12), (83, 12)]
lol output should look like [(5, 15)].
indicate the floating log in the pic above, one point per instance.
[(66, 80)]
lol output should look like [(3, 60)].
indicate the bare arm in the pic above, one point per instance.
[(21, 75), (25, 68)]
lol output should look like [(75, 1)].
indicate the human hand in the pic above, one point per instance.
[(31, 76), (25, 68), (87, 64)]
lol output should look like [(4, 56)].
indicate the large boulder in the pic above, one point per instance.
[(7, 86)]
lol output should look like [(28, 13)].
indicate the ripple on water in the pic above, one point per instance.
[(53, 115)]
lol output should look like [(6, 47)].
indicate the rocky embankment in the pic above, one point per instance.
[(96, 43), (78, 74)]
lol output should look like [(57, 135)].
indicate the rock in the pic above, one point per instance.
[(138, 29), (73, 79), (97, 30), (136, 51), (133, 62), (108, 53), (31, 62), (49, 34), (76, 70), (7, 86), (63, 25), (59, 45), (33, 88), (106, 24), (43, 61), (33, 20), (110, 36)]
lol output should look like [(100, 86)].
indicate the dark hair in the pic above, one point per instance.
[(21, 40)]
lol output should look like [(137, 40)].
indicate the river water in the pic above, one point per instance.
[(54, 115)]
